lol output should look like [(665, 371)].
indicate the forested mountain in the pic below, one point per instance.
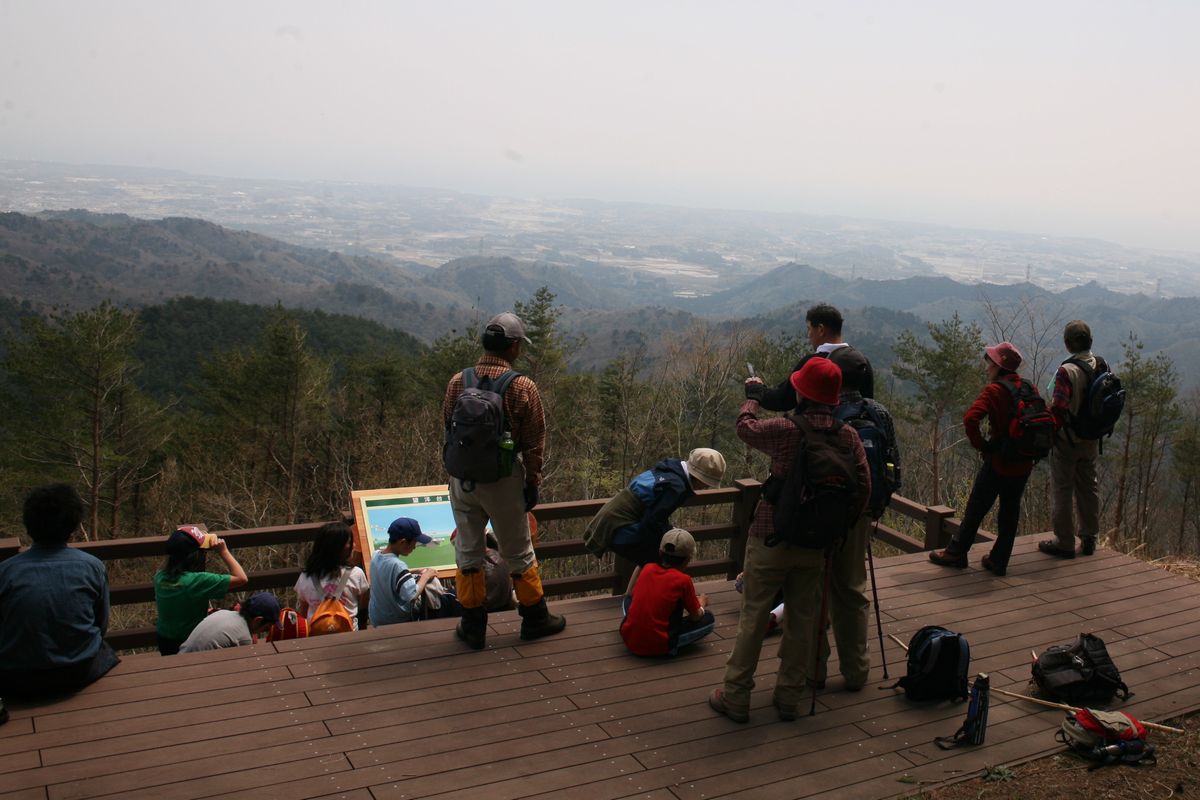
[(293, 376)]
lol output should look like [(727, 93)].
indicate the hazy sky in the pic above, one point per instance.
[(1071, 118)]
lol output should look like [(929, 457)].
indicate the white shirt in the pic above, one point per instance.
[(356, 585)]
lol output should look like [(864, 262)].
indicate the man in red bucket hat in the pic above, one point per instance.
[(796, 569)]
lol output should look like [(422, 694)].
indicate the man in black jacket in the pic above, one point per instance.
[(824, 324)]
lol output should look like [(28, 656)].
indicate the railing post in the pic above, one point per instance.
[(937, 534), (9, 548), (743, 515)]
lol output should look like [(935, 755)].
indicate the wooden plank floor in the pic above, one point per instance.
[(407, 712)]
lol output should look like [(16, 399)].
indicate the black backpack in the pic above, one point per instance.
[(1103, 401), (1030, 433), (478, 444), (938, 662), (812, 502), (1079, 673), (882, 455)]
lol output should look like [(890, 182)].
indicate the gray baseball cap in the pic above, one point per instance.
[(509, 324)]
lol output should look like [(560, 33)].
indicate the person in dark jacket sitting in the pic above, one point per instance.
[(53, 604), (633, 522), (998, 477)]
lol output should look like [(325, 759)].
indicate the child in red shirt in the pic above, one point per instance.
[(663, 612)]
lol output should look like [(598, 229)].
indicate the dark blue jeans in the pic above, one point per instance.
[(989, 485)]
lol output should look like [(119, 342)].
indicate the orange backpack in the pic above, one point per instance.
[(331, 616)]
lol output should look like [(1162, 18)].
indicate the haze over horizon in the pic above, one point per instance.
[(1072, 119)]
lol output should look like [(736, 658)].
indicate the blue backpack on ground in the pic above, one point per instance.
[(882, 457), (938, 663)]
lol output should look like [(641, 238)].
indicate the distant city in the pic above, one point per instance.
[(694, 249)]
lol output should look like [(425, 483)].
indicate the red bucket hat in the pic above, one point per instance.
[(819, 380), (1004, 355)]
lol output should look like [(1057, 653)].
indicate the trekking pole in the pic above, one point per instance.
[(820, 630), (892, 636), (1073, 709), (875, 600)]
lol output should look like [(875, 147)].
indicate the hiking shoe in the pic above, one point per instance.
[(992, 567), (787, 713), (1051, 548), (716, 702), (947, 559), (1087, 546), (474, 637), (472, 628), (537, 621)]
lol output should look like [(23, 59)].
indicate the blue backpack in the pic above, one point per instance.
[(1102, 404), (938, 663), (882, 456)]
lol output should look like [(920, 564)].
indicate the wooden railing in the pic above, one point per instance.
[(741, 497)]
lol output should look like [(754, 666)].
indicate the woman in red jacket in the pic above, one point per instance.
[(998, 477)]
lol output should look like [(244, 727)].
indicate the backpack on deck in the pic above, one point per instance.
[(882, 456), (812, 502), (1079, 673), (1106, 737), (938, 662), (291, 625), (479, 445), (331, 616), (1103, 401), (1030, 433)]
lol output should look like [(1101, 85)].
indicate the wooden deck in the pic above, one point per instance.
[(407, 712)]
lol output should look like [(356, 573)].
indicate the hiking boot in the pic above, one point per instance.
[(948, 559), (537, 621), (1087, 546), (472, 628), (716, 702), (787, 712), (1051, 548), (992, 567)]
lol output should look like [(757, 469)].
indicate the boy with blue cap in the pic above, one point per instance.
[(394, 587)]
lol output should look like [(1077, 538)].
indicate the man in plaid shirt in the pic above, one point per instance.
[(1073, 459), (505, 502), (795, 569)]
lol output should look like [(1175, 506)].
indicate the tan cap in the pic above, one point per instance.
[(508, 324), (706, 464), (678, 542)]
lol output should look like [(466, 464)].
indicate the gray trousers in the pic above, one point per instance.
[(1073, 478), (502, 504)]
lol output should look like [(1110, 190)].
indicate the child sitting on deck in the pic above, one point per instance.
[(663, 613), (182, 589)]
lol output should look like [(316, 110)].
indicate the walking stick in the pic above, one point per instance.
[(1073, 709), (875, 600), (820, 630)]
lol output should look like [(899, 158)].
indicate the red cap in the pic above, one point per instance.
[(1004, 355), (819, 380)]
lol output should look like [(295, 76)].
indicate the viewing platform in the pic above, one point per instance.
[(409, 712)]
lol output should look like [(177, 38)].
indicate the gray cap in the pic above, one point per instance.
[(678, 542), (509, 324)]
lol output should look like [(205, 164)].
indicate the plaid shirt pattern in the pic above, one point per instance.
[(522, 408), (779, 438)]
